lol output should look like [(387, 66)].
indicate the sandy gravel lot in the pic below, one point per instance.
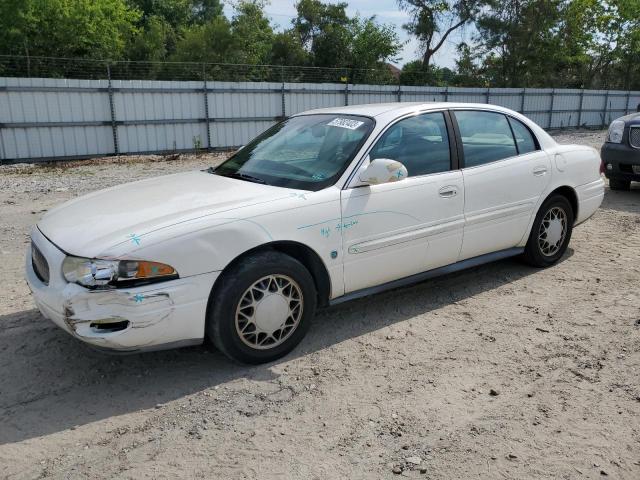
[(400, 381)]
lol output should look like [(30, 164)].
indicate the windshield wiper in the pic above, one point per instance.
[(240, 176)]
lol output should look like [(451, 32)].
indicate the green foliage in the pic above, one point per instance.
[(332, 39), (560, 43), (415, 73), (67, 28), (253, 34), (196, 44), (515, 43)]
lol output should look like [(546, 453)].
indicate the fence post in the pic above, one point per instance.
[(580, 111), (399, 93), (346, 88), (553, 101), (524, 94), (487, 93), (2, 154), (446, 93), (626, 105), (604, 111), (112, 109), (206, 106), (283, 106)]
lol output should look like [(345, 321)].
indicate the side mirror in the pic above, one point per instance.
[(383, 170)]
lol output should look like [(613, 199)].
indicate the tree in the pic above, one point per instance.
[(179, 13), (415, 73), (605, 37), (468, 73), (252, 33), (206, 10), (432, 21), (287, 50), (372, 44), (66, 28), (176, 13), (315, 17), (520, 40), (332, 39), (211, 42)]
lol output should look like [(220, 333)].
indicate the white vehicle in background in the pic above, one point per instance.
[(327, 206)]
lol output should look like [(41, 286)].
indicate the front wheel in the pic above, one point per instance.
[(261, 308), (550, 233)]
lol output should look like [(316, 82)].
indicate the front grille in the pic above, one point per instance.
[(40, 265), (634, 137)]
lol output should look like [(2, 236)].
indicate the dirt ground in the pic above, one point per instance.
[(503, 371)]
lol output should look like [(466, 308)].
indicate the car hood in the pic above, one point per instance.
[(91, 224)]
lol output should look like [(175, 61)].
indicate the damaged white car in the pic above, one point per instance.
[(327, 206)]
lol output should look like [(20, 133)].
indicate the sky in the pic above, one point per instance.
[(282, 12)]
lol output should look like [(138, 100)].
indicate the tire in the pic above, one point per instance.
[(253, 297), (538, 251), (619, 184)]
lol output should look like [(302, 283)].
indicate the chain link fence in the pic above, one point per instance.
[(46, 67)]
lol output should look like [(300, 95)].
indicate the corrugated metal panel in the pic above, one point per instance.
[(594, 106), (307, 96), (49, 106), (51, 118), (363, 94), (471, 95)]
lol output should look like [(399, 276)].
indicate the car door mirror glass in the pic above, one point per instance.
[(383, 170)]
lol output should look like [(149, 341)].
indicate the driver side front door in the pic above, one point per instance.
[(394, 230)]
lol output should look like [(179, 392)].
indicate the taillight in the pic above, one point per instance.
[(601, 167)]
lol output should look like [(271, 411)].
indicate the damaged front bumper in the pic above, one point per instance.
[(151, 317)]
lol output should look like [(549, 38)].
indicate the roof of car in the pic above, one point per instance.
[(387, 112), (400, 108)]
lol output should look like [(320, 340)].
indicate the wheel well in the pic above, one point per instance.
[(305, 255), (570, 195)]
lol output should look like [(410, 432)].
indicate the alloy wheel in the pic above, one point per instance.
[(552, 232), (269, 311)]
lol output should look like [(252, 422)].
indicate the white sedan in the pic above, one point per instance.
[(327, 206)]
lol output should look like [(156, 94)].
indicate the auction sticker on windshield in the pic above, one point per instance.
[(345, 123)]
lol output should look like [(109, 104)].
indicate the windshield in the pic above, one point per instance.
[(309, 152)]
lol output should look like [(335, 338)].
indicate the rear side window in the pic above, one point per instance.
[(486, 137), (421, 143), (524, 138)]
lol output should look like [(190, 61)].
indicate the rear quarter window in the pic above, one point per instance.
[(524, 138)]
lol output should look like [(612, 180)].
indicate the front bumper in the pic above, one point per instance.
[(621, 159), (151, 317)]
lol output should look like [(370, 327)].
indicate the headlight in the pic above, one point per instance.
[(616, 130), (96, 273)]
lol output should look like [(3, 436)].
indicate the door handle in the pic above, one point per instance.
[(539, 171), (448, 191)]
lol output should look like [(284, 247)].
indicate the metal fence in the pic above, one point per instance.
[(44, 119)]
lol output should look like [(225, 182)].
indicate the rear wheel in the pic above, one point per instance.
[(619, 184), (261, 308), (551, 232)]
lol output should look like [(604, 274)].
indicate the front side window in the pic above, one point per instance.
[(420, 143), (486, 137), (308, 152)]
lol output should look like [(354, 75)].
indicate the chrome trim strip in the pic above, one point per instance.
[(499, 212), (405, 237)]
